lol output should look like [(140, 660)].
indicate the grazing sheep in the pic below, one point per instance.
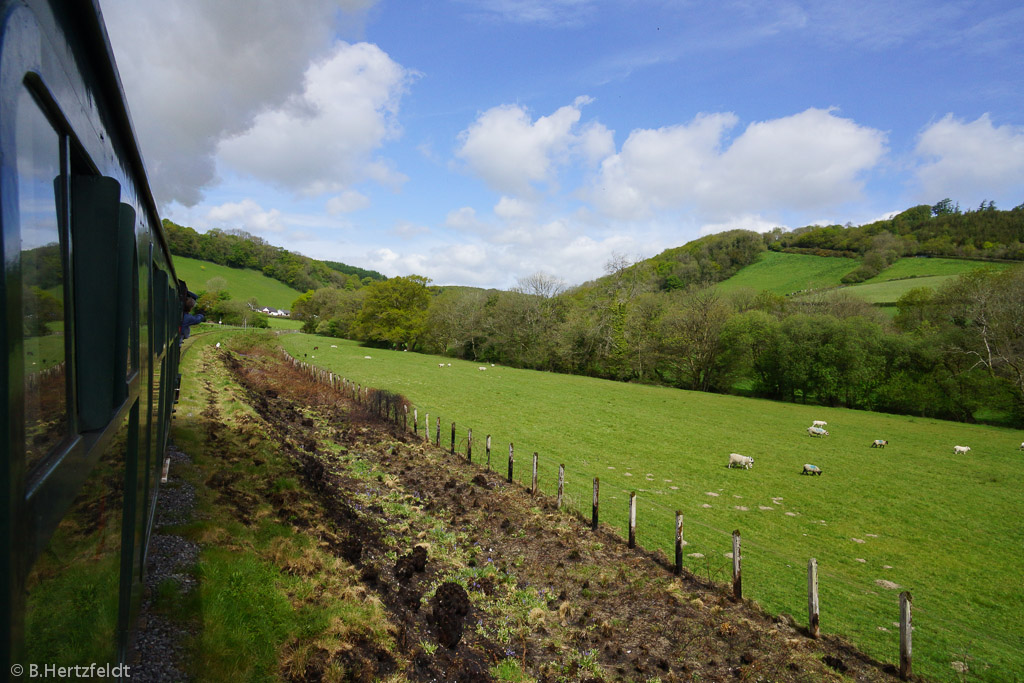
[(960, 450), (741, 460), (334, 346), (816, 431), (481, 368), (879, 443), (440, 365), (819, 423), (316, 348), (1022, 446), (811, 469), (366, 357)]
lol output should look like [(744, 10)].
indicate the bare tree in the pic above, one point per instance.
[(540, 284)]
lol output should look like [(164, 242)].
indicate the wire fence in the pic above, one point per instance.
[(866, 614)]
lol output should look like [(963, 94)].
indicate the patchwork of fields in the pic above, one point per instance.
[(911, 516), (787, 274)]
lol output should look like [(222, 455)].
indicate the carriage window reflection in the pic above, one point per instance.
[(42, 283)]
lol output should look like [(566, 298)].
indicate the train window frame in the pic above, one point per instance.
[(35, 92)]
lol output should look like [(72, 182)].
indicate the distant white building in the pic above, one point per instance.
[(275, 312)]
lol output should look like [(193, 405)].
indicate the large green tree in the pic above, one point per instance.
[(394, 312)]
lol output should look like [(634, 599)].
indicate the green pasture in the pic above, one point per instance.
[(284, 324), (909, 273), (911, 516), (913, 267), (784, 274), (889, 291), (243, 283)]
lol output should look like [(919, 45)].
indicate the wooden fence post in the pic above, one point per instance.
[(426, 427), (632, 519), (679, 543), (737, 574), (812, 599), (533, 488), (906, 628), (511, 459), (405, 417), (416, 421), (469, 445), (561, 485), (437, 432), (593, 521), (488, 452), (453, 439)]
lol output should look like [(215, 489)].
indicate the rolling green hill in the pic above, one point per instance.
[(785, 274), (243, 283)]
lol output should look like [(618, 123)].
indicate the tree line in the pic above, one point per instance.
[(953, 353), (239, 249)]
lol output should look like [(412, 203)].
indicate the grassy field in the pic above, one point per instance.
[(889, 291), (931, 267), (242, 283), (908, 273), (910, 517), (782, 273)]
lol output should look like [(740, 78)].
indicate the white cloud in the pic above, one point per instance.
[(464, 219), (324, 139), (195, 72), (347, 202), (807, 161), (971, 161), (749, 222), (554, 12), (246, 215), (513, 209), (513, 153)]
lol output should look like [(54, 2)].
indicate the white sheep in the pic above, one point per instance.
[(816, 431), (440, 365), (960, 450), (819, 423), (811, 469), (481, 368), (741, 460), (879, 443), (1022, 446)]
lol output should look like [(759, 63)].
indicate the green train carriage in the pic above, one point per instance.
[(89, 343)]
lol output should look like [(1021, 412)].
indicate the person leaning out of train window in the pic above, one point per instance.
[(189, 318)]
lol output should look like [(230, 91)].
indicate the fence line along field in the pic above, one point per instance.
[(910, 516)]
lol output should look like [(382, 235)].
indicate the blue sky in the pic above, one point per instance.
[(477, 142)]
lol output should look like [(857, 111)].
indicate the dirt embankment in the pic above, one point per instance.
[(481, 579)]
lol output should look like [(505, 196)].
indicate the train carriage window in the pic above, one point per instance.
[(42, 282)]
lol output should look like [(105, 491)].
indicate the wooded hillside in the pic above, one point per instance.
[(239, 249)]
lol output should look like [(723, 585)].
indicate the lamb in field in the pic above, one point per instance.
[(811, 469), (1022, 446), (816, 431), (440, 365), (819, 423), (960, 450), (741, 460), (481, 368), (879, 443)]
